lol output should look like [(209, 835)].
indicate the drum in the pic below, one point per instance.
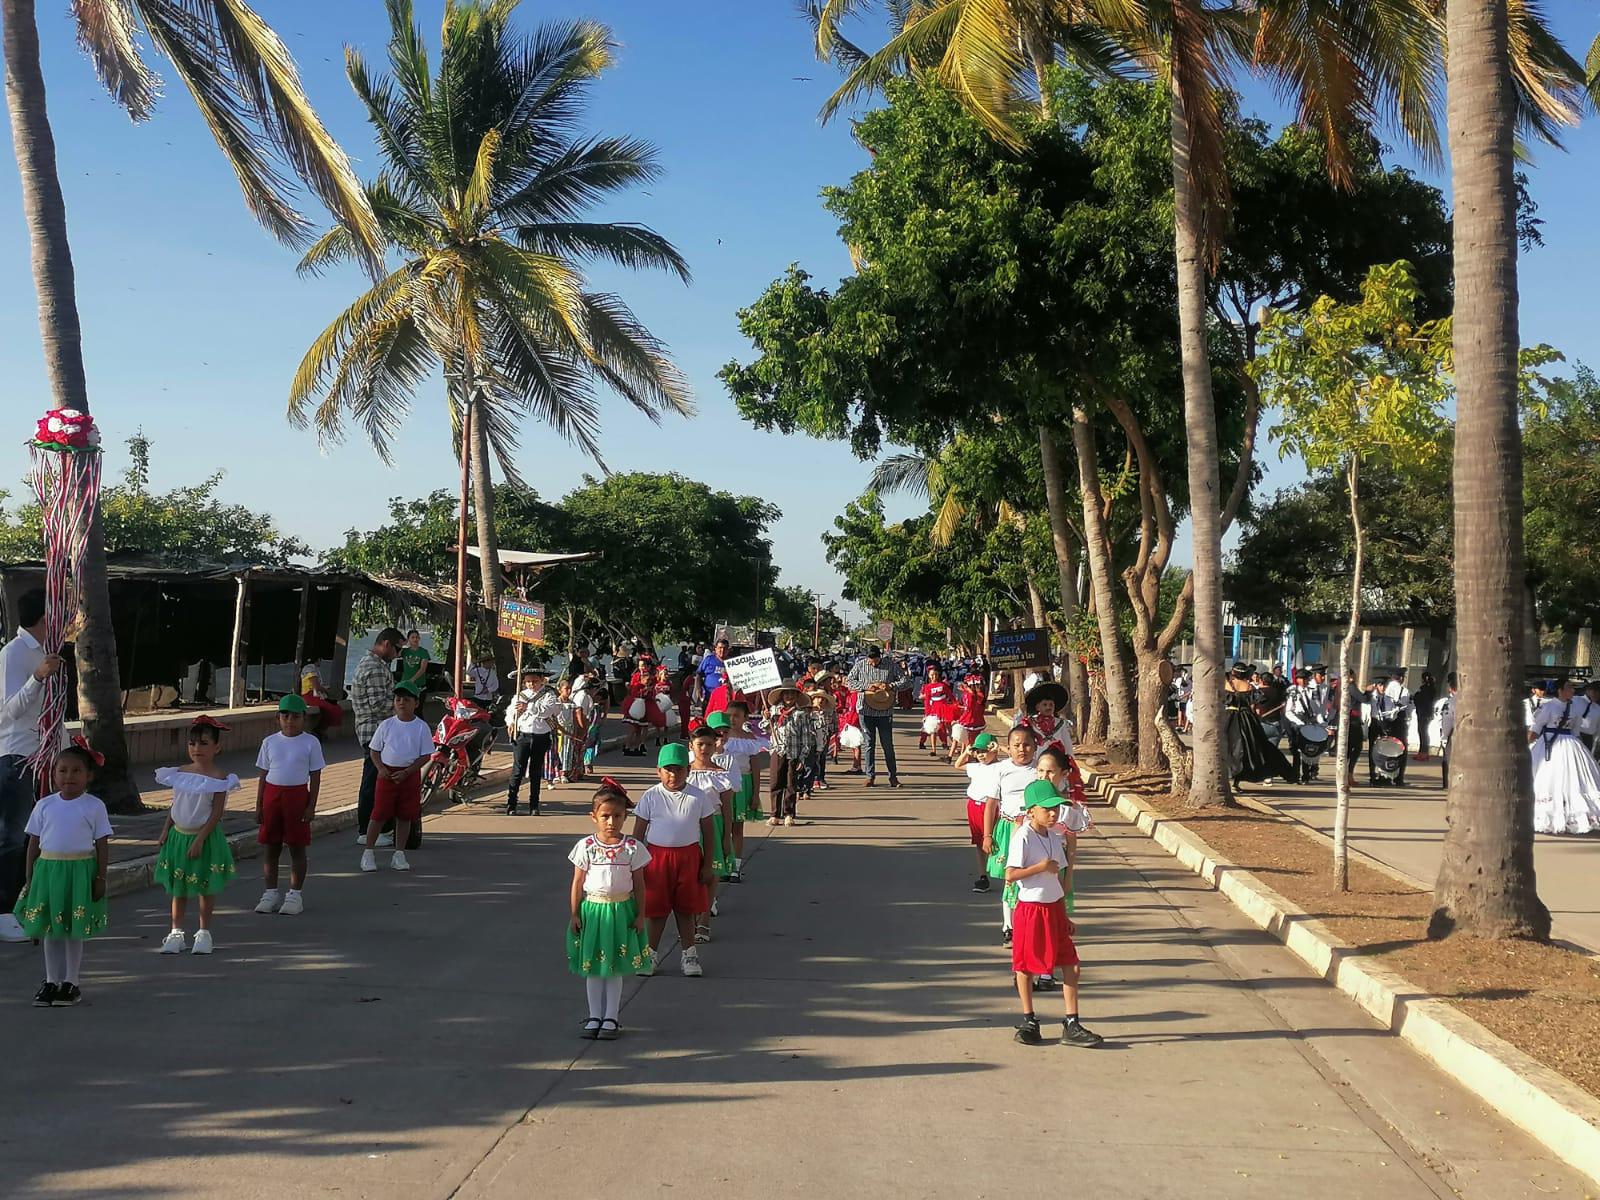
[(1314, 737), (1390, 748)]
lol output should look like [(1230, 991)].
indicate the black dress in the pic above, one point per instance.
[(1254, 757)]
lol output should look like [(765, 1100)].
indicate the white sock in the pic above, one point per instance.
[(55, 959), (1005, 915), (595, 988), (613, 996), (73, 949)]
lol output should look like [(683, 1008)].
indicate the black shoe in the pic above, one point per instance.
[(1073, 1033), (511, 810), (534, 811), (981, 884), (1005, 937), (1028, 1031), (46, 995), (67, 995), (735, 878), (872, 781), (894, 783)]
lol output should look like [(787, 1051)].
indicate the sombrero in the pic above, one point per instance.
[(785, 695), (1048, 690)]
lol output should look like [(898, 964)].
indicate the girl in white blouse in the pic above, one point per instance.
[(605, 939), (195, 858)]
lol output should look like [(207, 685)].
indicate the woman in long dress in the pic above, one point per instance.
[(1255, 758), (1566, 779)]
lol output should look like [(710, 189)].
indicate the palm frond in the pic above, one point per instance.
[(922, 40), (392, 119), (475, 199), (1591, 68), (952, 512), (902, 472), (106, 31), (548, 383), (387, 298), (1551, 85), (550, 76), (624, 243), (540, 282), (379, 374), (581, 175), (633, 361)]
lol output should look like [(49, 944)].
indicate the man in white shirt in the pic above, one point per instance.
[(1391, 717), (530, 720), (24, 666)]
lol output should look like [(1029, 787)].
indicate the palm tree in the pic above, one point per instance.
[(243, 80), (487, 175)]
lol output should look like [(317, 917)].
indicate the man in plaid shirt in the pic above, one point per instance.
[(794, 741), (372, 698)]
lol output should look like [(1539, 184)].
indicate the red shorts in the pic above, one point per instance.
[(400, 801), (975, 820), (283, 815), (672, 882), (1041, 937)]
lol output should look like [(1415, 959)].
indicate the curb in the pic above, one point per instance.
[(1549, 1108)]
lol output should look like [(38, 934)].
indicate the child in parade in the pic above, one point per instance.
[(978, 761), (825, 713), (971, 716), (741, 746), (1045, 702), (705, 774), (605, 937), (193, 857), (291, 765), (63, 900), (794, 740), (1003, 809), (938, 704), (1035, 861), (401, 746), (673, 819)]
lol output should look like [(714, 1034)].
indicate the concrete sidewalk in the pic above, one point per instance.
[(416, 1036)]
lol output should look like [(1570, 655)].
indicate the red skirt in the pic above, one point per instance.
[(1041, 937)]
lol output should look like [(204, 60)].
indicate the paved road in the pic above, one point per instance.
[(415, 1036), (1404, 827)]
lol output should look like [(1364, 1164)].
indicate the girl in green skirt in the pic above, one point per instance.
[(606, 939), (708, 776), (63, 900), (194, 857)]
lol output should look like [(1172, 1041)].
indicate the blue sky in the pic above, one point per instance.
[(194, 320)]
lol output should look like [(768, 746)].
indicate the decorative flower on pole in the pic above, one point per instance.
[(66, 429)]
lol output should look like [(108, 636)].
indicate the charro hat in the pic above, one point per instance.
[(1048, 690)]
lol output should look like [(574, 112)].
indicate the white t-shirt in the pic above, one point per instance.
[(1008, 783), (400, 743), (980, 780), (192, 795), (69, 826), (714, 781), (1029, 847), (289, 761), (608, 870), (675, 816)]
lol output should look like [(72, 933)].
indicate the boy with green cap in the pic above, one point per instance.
[(673, 819), (978, 760), (291, 764), (1041, 933), (400, 747)]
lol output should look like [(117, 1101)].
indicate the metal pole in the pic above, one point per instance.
[(461, 552), (816, 632)]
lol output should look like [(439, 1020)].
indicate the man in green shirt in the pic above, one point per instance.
[(413, 667)]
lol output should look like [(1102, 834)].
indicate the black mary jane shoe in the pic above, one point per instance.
[(46, 995), (591, 1028), (610, 1030)]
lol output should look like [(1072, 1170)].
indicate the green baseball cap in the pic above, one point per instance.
[(1041, 793), (408, 689), (718, 720), (983, 741), (673, 754), (292, 703)]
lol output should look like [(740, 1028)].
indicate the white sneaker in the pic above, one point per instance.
[(174, 942), (369, 861), (361, 837), (270, 899), (293, 905), (400, 862), (789, 820), (202, 940), (11, 929), (386, 841), (691, 963)]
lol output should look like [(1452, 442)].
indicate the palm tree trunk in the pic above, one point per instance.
[(1120, 742), (45, 210), (1486, 883), (1210, 783), (489, 577), (1055, 494)]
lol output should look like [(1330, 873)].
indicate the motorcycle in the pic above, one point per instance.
[(461, 741)]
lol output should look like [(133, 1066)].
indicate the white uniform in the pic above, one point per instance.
[(1566, 779)]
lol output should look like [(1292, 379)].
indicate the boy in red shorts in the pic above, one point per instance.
[(978, 760), (672, 819), (401, 746), (291, 765)]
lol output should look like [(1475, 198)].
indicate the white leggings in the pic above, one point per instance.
[(62, 959), (605, 996), (1005, 914)]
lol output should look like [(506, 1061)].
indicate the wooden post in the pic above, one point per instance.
[(1366, 658), (1408, 643), (300, 632), (1583, 654), (341, 638), (236, 660)]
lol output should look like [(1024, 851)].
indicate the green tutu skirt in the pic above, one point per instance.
[(721, 864), (746, 804), (609, 944), (206, 874), (60, 903), (1003, 829)]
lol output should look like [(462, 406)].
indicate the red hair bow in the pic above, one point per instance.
[(611, 785), (82, 743), (207, 721)]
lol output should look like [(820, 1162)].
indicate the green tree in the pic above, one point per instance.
[(1561, 436), (488, 177), (1357, 383), (244, 83)]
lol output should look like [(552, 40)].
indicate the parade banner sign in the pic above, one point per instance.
[(522, 621), (754, 672), (886, 631), (1015, 649)]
